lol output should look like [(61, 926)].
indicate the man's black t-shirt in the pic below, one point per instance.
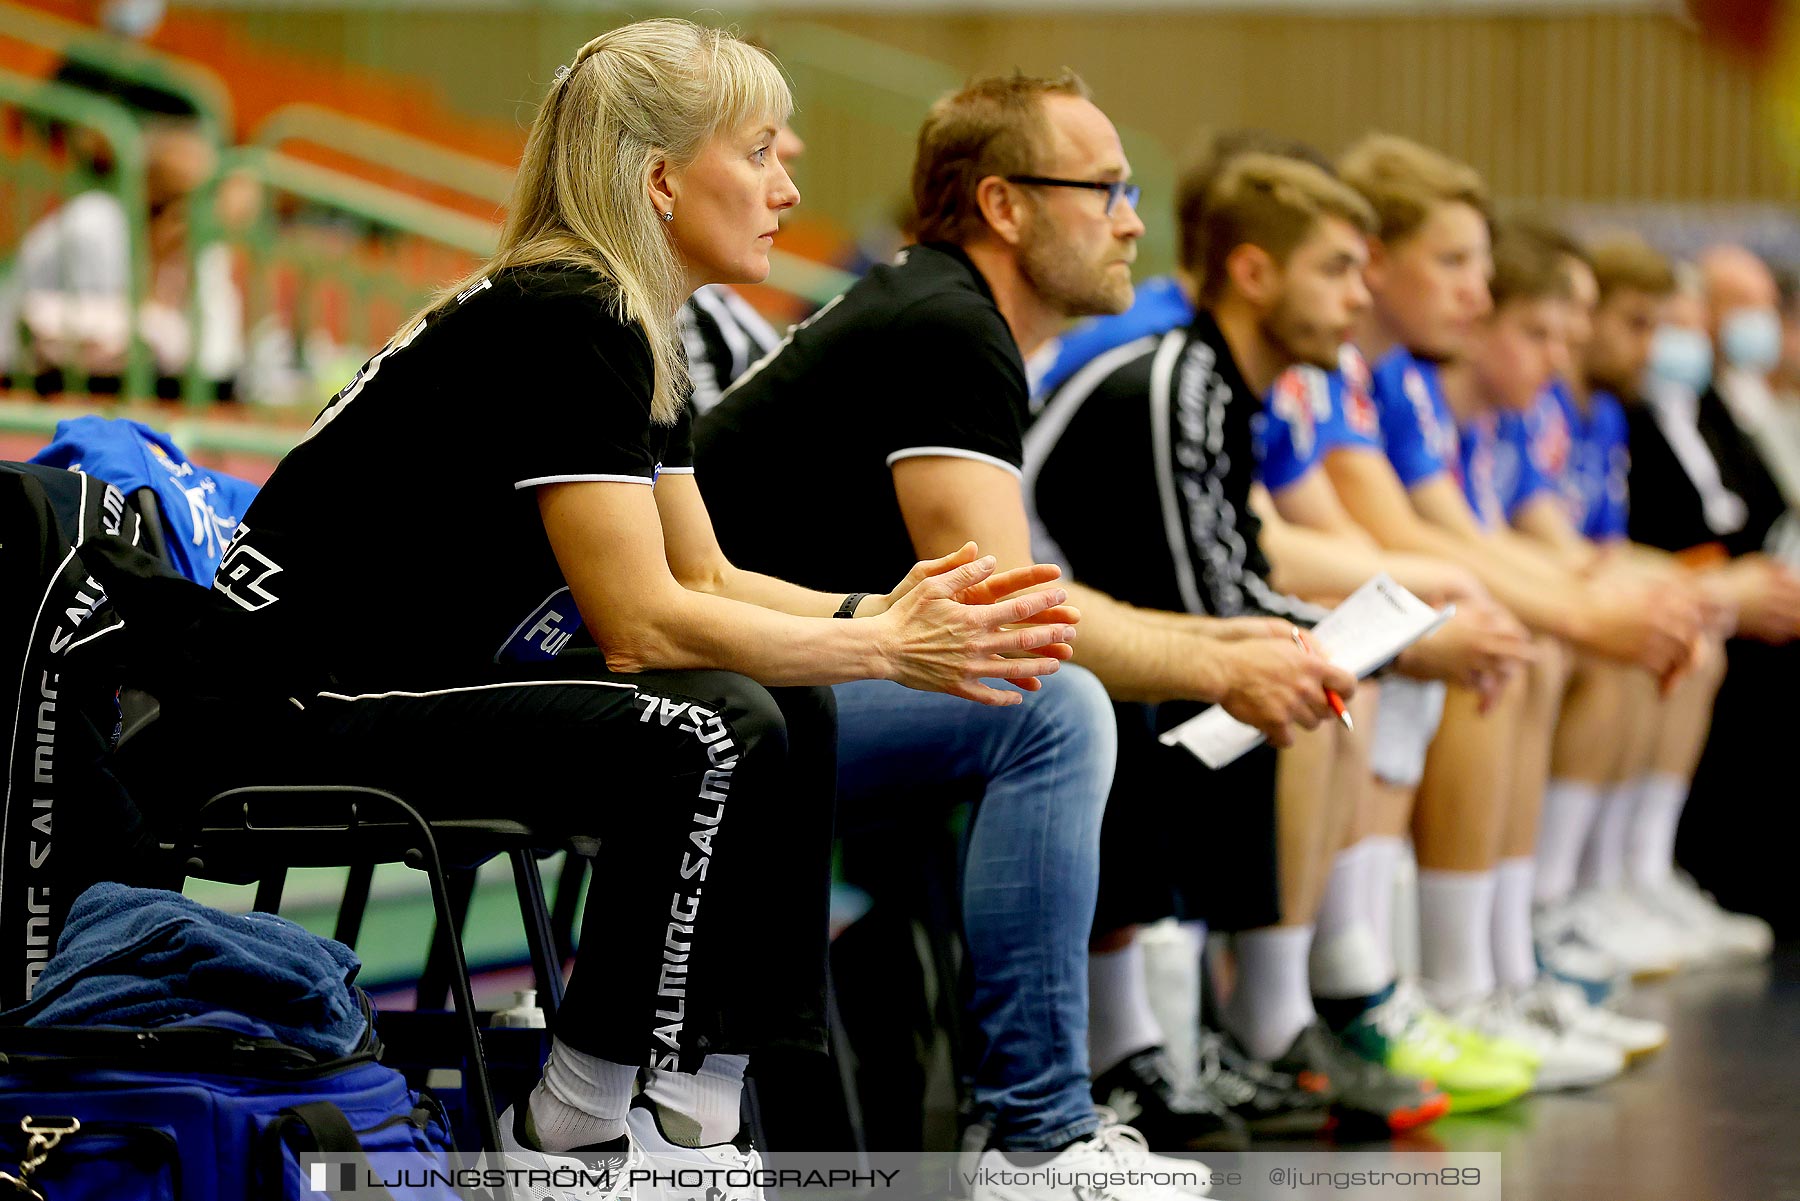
[(1138, 473), (400, 543), (796, 461)]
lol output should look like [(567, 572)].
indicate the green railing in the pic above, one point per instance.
[(335, 264), (389, 148), (39, 176), (481, 179), (327, 251), (199, 86)]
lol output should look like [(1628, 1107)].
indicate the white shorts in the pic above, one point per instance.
[(1404, 727)]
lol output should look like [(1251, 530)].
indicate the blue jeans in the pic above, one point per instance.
[(1029, 877)]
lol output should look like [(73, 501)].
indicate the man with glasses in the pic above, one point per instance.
[(891, 425)]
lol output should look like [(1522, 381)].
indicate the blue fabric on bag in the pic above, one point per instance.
[(146, 957), (201, 508), (212, 1122)]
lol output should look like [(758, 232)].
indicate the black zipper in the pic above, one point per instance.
[(184, 1049)]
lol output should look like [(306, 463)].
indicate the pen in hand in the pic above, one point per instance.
[(1331, 697)]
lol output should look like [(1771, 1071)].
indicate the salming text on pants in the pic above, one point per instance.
[(705, 927), (1029, 875)]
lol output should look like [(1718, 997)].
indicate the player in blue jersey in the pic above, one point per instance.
[(1605, 875), (1351, 964), (1582, 709), (1281, 262), (1428, 276)]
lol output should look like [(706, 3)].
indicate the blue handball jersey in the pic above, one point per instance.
[(1413, 425), (1497, 470), (1588, 457), (200, 507), (1309, 411), (1158, 306)]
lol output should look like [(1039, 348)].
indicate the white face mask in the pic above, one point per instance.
[(132, 18), (1683, 356), (1750, 339)]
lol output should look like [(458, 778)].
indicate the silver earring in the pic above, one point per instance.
[(669, 216)]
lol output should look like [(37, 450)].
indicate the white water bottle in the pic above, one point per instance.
[(523, 1011)]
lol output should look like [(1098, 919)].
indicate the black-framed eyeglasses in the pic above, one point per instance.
[(1115, 191)]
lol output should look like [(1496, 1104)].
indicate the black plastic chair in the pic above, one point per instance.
[(252, 834)]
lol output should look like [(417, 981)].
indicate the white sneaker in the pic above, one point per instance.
[(1566, 1059), (1091, 1169), (1563, 950), (1555, 1003), (1129, 1144), (593, 1178), (1729, 937), (1643, 944), (729, 1171)]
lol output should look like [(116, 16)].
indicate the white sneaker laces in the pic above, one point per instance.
[(1401, 1018), (1217, 1078)]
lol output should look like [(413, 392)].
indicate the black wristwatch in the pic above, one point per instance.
[(848, 608)]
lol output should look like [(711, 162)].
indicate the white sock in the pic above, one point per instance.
[(700, 1109), (1120, 1020), (581, 1100), (1650, 841), (1515, 954), (1196, 932), (1381, 865), (1456, 923), (1346, 891), (1273, 1000), (1603, 864), (1345, 960), (1570, 807), (1172, 979)]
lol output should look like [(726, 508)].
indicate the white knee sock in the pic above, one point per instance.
[(1380, 867), (1456, 923), (1273, 1000), (581, 1100), (1515, 954), (1120, 1020), (701, 1109), (1346, 891), (1345, 960), (1570, 807), (1603, 863), (1650, 841)]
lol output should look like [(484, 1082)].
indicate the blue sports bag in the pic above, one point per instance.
[(208, 1110)]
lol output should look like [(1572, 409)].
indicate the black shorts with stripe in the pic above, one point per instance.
[(1181, 839)]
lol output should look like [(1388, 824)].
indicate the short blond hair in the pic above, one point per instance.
[(1273, 202), (1624, 262), (1205, 166), (1529, 264), (1405, 182), (994, 126)]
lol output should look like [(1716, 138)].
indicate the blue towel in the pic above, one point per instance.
[(146, 957)]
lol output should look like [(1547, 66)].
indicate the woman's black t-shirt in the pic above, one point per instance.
[(400, 543)]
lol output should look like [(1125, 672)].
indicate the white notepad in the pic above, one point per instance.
[(1375, 623)]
